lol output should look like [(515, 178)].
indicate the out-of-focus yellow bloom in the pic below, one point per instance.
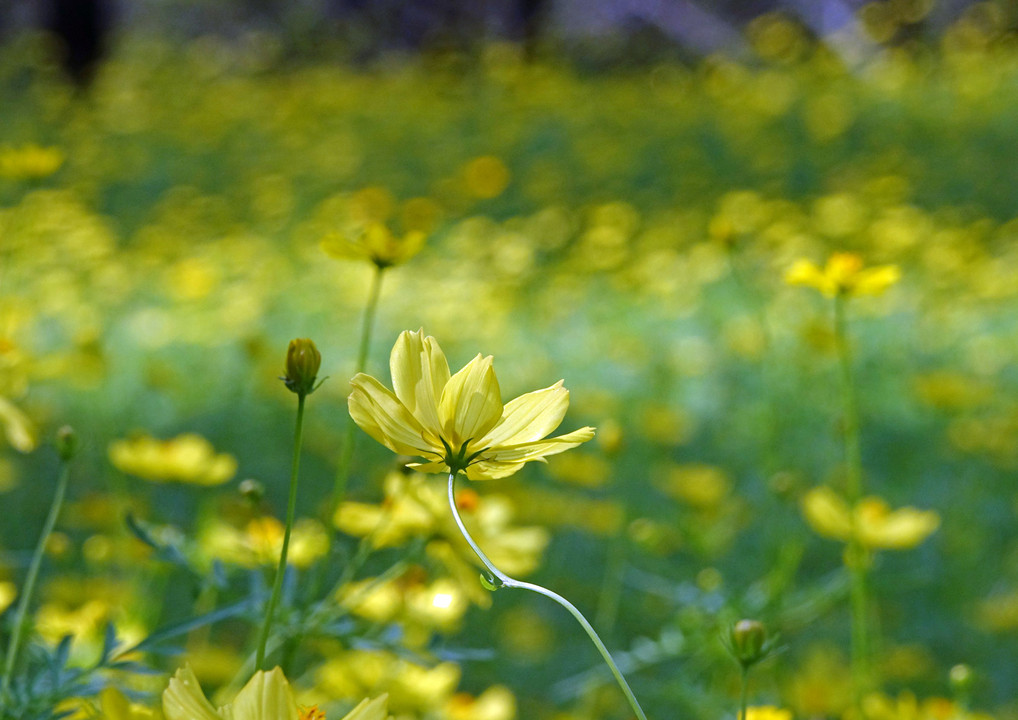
[(702, 486), (416, 506), (377, 244), (261, 541), (906, 706), (495, 703), (17, 428), (410, 688), (458, 422), (871, 522), (486, 176), (8, 591), (267, 696), (29, 162), (187, 458), (767, 712), (843, 275)]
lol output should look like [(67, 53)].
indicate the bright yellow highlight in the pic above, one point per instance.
[(30, 162), (457, 422), (377, 244), (872, 523), (16, 427), (187, 458), (843, 275), (267, 696), (767, 712)]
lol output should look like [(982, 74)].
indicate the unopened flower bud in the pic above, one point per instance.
[(67, 443), (302, 363), (749, 638), (251, 490)]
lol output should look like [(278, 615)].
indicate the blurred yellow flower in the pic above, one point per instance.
[(267, 696), (767, 712), (872, 522), (187, 458), (458, 422), (843, 275), (410, 688), (261, 541), (495, 703), (486, 176), (8, 591), (29, 162), (17, 428), (377, 244)]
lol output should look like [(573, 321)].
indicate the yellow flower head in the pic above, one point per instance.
[(267, 696), (377, 244), (188, 458), (843, 275), (30, 162), (871, 522), (457, 422)]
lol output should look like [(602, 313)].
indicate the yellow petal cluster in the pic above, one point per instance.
[(458, 422), (29, 162), (377, 244), (267, 696), (843, 275), (187, 458), (872, 523)]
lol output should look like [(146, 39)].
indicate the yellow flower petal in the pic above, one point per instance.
[(419, 374), (806, 273), (530, 417), (471, 402), (17, 427), (875, 280), (183, 699), (267, 696), (382, 416), (827, 514), (526, 452), (376, 709), (491, 470)]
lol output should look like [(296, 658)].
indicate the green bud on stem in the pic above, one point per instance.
[(302, 363)]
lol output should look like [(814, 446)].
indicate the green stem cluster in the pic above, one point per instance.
[(504, 580), (33, 575), (291, 510)]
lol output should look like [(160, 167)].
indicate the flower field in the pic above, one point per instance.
[(782, 290)]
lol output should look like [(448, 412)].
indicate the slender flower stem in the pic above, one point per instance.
[(349, 438), (744, 693), (33, 574), (855, 553), (291, 510), (510, 582)]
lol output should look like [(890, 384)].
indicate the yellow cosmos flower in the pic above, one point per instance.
[(871, 522), (187, 458), (457, 422), (843, 275), (267, 696), (375, 243)]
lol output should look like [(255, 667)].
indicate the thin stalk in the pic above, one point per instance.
[(291, 510), (349, 437), (855, 553), (33, 575), (744, 693), (510, 582)]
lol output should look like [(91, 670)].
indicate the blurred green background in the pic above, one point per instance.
[(612, 196)]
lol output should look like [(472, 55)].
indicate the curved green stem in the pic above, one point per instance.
[(349, 437), (33, 574), (510, 582), (291, 510)]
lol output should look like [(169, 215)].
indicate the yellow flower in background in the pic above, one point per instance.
[(767, 712), (457, 422), (29, 162), (871, 522), (260, 542), (267, 696), (17, 428), (843, 275), (495, 703), (187, 458), (377, 244)]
